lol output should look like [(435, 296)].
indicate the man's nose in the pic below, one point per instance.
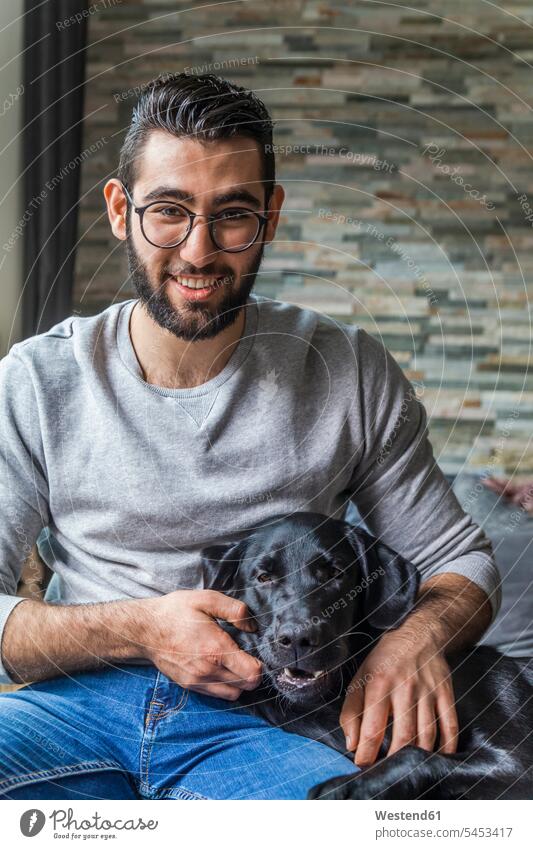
[(198, 249), (298, 639)]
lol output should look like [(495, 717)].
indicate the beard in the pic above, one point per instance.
[(194, 321)]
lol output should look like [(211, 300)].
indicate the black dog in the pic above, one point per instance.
[(322, 592)]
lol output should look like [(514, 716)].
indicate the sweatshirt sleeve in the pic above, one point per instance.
[(398, 486), (23, 484)]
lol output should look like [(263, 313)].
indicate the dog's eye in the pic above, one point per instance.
[(326, 570), (264, 577)]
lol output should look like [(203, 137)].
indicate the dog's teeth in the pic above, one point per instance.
[(294, 675)]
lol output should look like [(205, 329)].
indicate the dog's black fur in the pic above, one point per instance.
[(322, 592)]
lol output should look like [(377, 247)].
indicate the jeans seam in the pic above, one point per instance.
[(178, 790), (183, 792), (157, 687), (150, 749), (7, 784), (149, 730), (155, 719), (181, 704), (153, 708), (152, 718)]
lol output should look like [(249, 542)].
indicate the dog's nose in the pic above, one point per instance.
[(299, 639)]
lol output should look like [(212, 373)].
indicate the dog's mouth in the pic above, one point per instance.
[(291, 679)]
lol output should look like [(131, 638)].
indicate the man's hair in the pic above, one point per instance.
[(202, 107)]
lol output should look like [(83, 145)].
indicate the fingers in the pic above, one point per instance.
[(201, 678), (351, 713), (373, 726), (220, 691), (212, 680), (427, 724), (496, 484), (448, 722), (501, 486), (414, 722), (231, 609), (206, 674), (525, 496), (404, 722), (242, 666), (521, 494)]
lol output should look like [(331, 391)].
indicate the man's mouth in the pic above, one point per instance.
[(197, 288), (198, 282)]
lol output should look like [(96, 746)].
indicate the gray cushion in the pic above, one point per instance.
[(510, 530)]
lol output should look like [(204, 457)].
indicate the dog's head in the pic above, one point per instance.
[(320, 590)]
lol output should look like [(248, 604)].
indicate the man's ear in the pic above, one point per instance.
[(117, 207), (220, 564), (274, 209), (389, 582)]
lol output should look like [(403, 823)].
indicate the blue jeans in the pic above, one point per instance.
[(129, 732)]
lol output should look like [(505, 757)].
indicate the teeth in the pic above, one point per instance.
[(289, 673), (202, 283)]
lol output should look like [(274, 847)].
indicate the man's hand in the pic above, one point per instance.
[(409, 679), (407, 676), (186, 644), (177, 632), (521, 494)]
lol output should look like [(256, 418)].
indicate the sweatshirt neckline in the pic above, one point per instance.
[(237, 358)]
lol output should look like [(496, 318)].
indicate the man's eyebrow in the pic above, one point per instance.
[(231, 196)]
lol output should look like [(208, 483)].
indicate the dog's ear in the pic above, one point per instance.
[(220, 565), (389, 583)]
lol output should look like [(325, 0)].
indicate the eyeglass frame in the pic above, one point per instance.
[(211, 219)]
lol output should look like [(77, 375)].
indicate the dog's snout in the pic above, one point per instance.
[(298, 638)]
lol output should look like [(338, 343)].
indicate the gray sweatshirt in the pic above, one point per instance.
[(130, 480)]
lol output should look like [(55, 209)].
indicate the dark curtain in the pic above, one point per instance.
[(55, 38)]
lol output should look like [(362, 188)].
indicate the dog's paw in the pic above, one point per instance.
[(361, 786), (334, 788)]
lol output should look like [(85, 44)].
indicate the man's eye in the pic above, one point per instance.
[(234, 215), (171, 212)]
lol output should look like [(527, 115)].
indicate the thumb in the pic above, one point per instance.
[(230, 609)]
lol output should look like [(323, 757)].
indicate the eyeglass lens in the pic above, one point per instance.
[(167, 224)]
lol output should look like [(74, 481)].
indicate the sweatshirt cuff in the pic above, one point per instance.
[(7, 604), (481, 571)]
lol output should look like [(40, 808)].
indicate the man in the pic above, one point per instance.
[(186, 416)]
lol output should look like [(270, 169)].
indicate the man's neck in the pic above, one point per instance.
[(176, 363)]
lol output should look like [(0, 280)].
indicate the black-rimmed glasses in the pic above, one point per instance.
[(166, 224)]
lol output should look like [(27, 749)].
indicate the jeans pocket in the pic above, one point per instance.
[(59, 771)]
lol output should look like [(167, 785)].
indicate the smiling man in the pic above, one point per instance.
[(135, 438)]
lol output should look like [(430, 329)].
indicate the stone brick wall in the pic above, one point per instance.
[(405, 148)]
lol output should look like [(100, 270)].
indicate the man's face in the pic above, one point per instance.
[(206, 178)]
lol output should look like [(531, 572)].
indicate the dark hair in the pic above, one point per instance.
[(204, 107)]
